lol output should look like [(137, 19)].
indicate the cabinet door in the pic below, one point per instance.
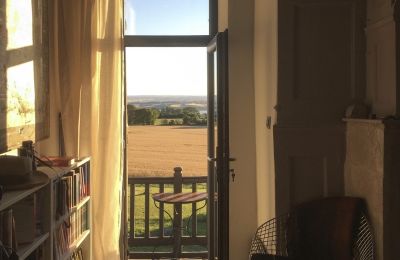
[(321, 71)]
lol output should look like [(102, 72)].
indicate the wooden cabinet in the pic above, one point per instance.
[(61, 214), (321, 71)]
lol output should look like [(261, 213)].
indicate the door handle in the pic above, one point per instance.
[(214, 159)]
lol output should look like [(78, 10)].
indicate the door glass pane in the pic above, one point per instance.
[(166, 17), (167, 110)]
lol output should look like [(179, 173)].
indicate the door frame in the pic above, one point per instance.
[(155, 41), (218, 153)]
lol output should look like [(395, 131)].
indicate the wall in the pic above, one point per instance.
[(265, 79), (364, 170), (222, 15), (24, 100), (381, 58), (243, 197), (371, 172), (50, 146)]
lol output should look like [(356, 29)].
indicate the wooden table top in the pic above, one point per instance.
[(183, 197)]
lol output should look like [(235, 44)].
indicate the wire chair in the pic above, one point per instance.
[(279, 238)]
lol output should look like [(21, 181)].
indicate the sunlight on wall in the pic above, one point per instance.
[(24, 89), (21, 95), (19, 23)]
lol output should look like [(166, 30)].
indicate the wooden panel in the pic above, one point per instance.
[(381, 68), (302, 177), (321, 60), (321, 64), (378, 10), (309, 164)]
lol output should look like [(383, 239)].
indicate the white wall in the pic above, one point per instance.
[(222, 15), (243, 196), (265, 78)]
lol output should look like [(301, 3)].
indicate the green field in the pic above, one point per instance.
[(154, 212), (154, 228)]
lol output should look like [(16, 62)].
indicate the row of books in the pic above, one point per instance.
[(71, 189), (70, 230)]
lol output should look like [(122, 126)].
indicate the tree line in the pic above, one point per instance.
[(166, 116)]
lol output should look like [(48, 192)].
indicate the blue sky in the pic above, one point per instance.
[(166, 17), (166, 71)]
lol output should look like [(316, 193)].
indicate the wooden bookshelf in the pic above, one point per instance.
[(72, 211), (77, 232), (46, 198), (25, 250), (77, 243), (13, 197)]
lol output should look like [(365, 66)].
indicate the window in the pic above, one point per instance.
[(166, 17)]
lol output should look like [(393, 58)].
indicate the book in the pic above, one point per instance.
[(58, 161)]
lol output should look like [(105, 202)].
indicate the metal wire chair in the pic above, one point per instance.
[(280, 237)]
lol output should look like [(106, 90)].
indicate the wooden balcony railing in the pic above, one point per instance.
[(164, 241)]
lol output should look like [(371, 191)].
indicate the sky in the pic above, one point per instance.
[(166, 71)]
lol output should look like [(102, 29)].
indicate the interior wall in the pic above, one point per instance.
[(243, 196), (265, 84), (222, 15), (50, 146)]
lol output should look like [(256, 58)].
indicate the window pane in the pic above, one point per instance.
[(166, 17), (169, 82), (166, 71)]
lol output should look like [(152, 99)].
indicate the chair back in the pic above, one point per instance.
[(325, 229)]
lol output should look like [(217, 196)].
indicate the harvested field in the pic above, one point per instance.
[(156, 150)]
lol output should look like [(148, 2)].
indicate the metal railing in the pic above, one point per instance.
[(146, 244)]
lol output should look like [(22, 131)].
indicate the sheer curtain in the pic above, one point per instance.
[(86, 68)]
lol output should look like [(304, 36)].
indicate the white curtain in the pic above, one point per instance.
[(86, 68)]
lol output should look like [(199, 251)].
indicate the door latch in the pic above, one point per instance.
[(233, 174)]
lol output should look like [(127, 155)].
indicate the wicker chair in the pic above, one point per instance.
[(326, 229)]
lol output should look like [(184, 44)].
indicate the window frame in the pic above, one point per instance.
[(178, 40)]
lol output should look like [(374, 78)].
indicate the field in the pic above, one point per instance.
[(156, 150)]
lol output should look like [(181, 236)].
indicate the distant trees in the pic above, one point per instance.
[(191, 116), (142, 116), (171, 112), (168, 116)]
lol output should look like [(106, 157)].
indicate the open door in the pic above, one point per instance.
[(218, 148)]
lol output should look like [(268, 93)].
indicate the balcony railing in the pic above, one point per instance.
[(151, 224)]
